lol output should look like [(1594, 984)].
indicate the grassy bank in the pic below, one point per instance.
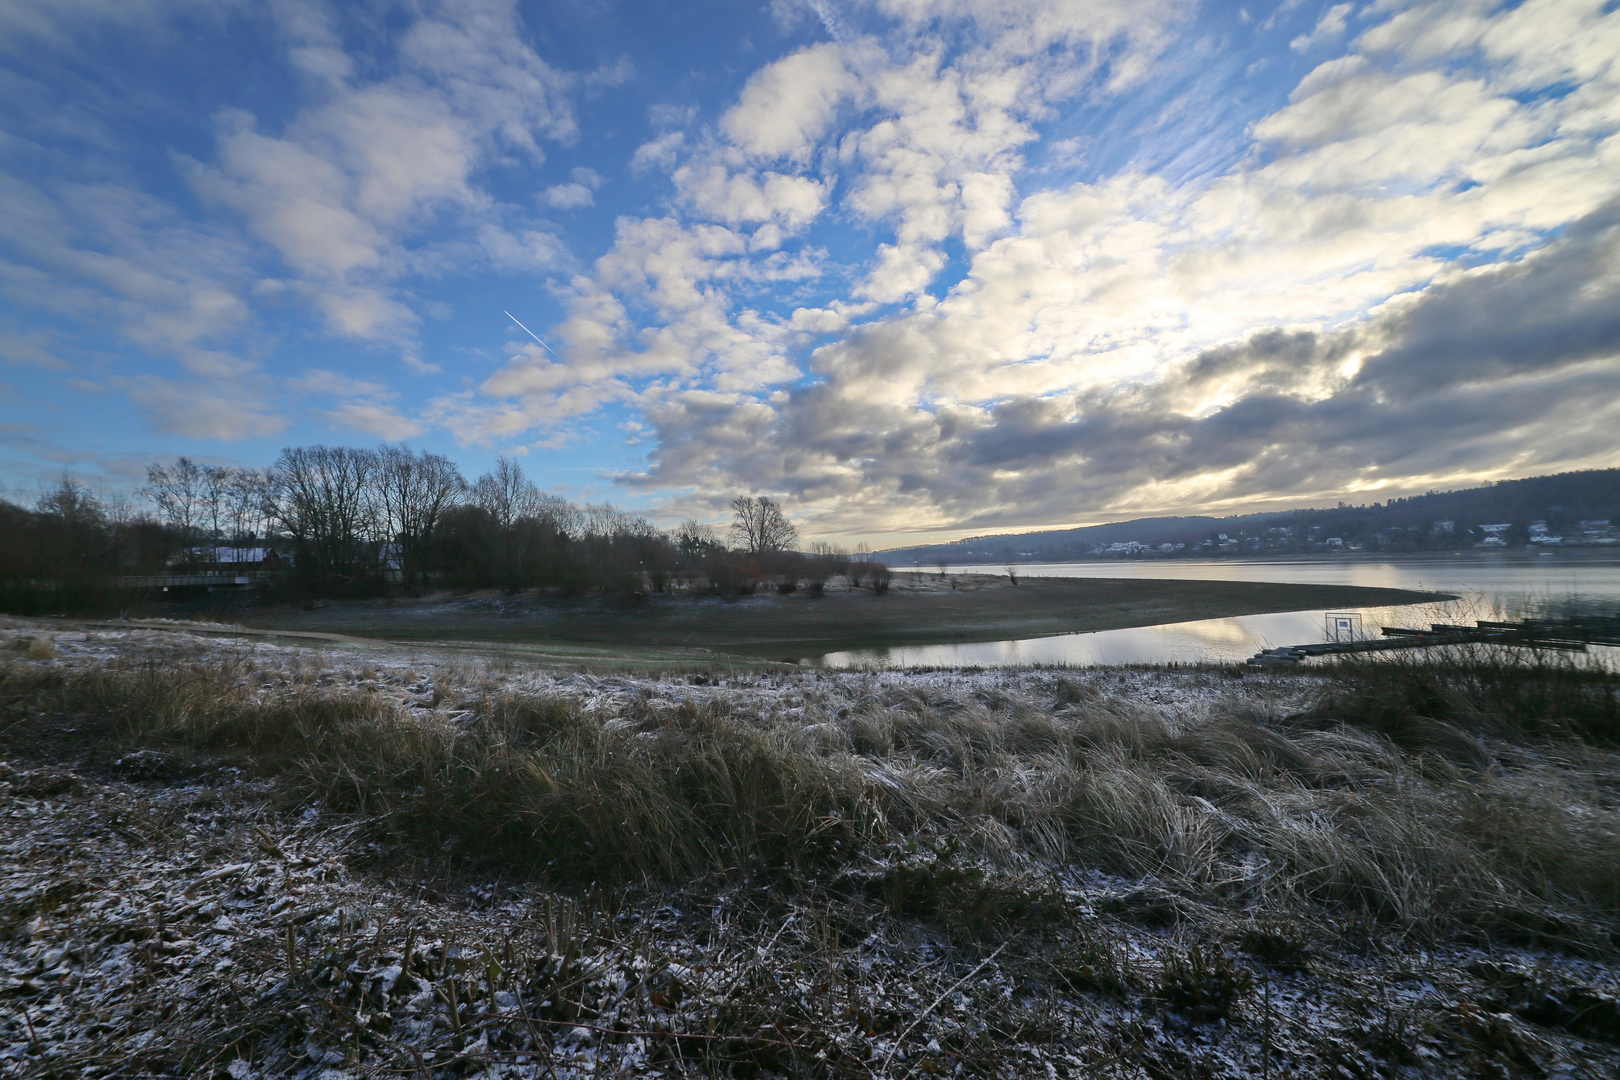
[(1432, 799), (917, 610), (297, 861)]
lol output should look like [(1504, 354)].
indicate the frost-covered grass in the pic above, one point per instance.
[(1106, 872), (1368, 803)]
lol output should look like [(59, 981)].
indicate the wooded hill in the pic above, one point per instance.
[(1561, 501)]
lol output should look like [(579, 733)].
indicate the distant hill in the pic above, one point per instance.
[(1540, 510)]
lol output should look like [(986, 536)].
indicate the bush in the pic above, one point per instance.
[(1433, 829)]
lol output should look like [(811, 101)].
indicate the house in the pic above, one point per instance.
[(234, 559), (1539, 534), (1597, 531)]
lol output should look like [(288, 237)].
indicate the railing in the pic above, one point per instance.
[(1568, 635)]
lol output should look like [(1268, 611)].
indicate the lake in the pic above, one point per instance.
[(1506, 586)]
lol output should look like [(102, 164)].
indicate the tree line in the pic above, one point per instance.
[(355, 521)]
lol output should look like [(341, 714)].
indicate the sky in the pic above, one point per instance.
[(918, 269)]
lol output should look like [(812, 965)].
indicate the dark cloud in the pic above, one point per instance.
[(1515, 368)]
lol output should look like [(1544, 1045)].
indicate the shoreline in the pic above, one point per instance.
[(1595, 555), (980, 608)]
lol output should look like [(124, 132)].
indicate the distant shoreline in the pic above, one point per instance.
[(915, 612), (1570, 554)]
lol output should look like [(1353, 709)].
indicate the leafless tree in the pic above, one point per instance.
[(507, 494), (320, 495), (760, 526), (245, 500), (607, 520), (214, 512), (561, 515), (179, 492), (413, 492)]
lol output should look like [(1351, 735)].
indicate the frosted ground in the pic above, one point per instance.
[(172, 904)]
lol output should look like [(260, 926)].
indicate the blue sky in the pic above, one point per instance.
[(912, 267)]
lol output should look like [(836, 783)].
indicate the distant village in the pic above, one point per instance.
[(1536, 514), (1441, 535)]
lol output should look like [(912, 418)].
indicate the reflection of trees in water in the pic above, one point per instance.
[(1568, 605)]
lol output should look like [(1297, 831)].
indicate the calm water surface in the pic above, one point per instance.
[(1501, 587)]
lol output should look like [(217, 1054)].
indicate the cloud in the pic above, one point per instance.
[(200, 410), (365, 406), (717, 194), (1330, 27), (29, 347), (568, 196), (658, 154), (1297, 326), (373, 419), (787, 107), (346, 190), (105, 253), (25, 25)]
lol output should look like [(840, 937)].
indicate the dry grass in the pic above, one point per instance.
[(1433, 819), (849, 877)]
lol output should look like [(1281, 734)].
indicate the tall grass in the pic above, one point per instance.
[(1435, 801)]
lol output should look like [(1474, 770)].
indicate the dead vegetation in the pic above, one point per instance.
[(1358, 873)]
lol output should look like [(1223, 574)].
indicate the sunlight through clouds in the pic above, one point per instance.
[(909, 264)]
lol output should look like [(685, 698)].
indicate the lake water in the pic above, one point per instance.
[(1492, 587)]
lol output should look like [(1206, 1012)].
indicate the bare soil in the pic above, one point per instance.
[(918, 609)]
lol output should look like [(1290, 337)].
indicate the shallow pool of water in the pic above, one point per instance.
[(1510, 587)]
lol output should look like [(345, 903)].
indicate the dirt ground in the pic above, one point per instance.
[(919, 609)]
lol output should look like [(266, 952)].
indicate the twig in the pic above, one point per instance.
[(539, 1044), (649, 1033), (343, 1015), (895, 1049)]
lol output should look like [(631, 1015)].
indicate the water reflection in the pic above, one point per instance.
[(1504, 589)]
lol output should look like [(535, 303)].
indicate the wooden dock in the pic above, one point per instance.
[(1568, 635)]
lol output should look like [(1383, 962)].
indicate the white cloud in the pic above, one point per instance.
[(25, 24), (787, 107), (346, 187), (201, 410), (108, 254), (568, 196), (1329, 28), (1065, 352), (364, 405), (658, 154), (932, 153), (528, 249), (374, 419), (717, 194)]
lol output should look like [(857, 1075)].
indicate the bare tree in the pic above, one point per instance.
[(507, 494), (214, 513), (561, 515), (760, 526), (178, 490), (320, 495), (245, 499), (607, 520), (413, 492)]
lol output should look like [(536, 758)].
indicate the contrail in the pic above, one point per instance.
[(532, 334)]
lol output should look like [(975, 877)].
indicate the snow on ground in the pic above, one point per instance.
[(160, 918)]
